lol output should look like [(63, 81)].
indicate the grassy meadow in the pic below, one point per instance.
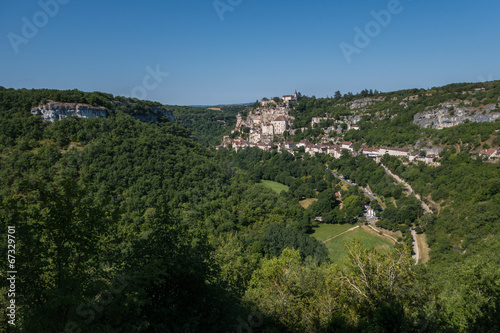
[(277, 187), (336, 246)]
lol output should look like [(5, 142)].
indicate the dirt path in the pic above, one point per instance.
[(386, 235), (329, 239)]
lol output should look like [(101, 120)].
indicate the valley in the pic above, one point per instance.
[(291, 223)]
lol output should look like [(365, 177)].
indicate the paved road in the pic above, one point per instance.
[(369, 194), (347, 181), (408, 188)]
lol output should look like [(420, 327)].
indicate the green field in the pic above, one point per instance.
[(336, 246), (325, 231), (277, 187)]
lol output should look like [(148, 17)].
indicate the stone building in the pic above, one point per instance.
[(280, 125)]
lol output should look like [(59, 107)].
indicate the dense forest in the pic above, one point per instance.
[(208, 125), (125, 226)]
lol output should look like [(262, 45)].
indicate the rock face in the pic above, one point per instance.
[(442, 118), (56, 111), (361, 103), (52, 111), (155, 113)]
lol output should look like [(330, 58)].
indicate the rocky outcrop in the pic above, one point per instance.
[(444, 117), (351, 120), (155, 114), (361, 103), (52, 111)]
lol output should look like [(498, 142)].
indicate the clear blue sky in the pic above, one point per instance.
[(260, 48)]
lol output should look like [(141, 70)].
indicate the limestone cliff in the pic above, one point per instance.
[(443, 117), (52, 111)]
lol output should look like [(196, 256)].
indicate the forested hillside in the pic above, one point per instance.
[(125, 226), (387, 118), (208, 125)]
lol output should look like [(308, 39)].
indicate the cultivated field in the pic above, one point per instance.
[(326, 231)]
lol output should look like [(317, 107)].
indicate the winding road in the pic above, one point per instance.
[(426, 209), (408, 188), (347, 181)]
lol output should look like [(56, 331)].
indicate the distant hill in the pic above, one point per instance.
[(219, 105)]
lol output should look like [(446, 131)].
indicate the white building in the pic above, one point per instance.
[(265, 102), (290, 98), (347, 145), (280, 125), (336, 152), (397, 151), (369, 152), (489, 153)]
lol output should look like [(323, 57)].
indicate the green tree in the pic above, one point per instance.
[(352, 208), (380, 289), (299, 297), (59, 232), (174, 282), (278, 238), (235, 263)]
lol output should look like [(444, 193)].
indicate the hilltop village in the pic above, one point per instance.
[(271, 119), (269, 125)]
